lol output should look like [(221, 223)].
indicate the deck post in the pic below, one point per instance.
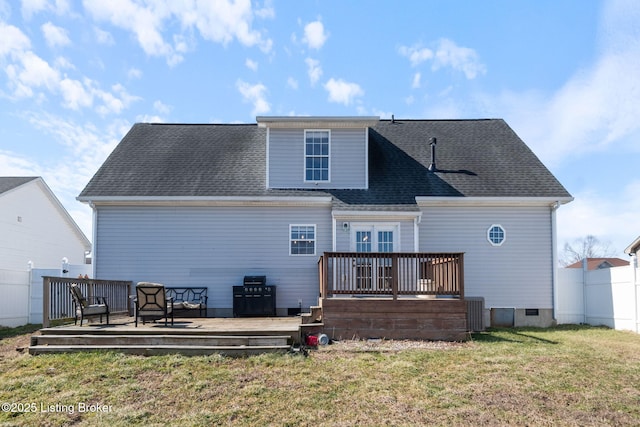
[(461, 275), (46, 301), (394, 275)]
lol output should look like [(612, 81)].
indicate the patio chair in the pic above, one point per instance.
[(152, 302), (85, 309)]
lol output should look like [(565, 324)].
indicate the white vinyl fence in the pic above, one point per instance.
[(14, 298), (21, 293), (609, 296)]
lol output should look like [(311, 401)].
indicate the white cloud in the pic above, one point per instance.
[(30, 76), (84, 147), (256, 95), (63, 63), (103, 37), (415, 84), (267, 11), (31, 72), (115, 101), (595, 109), (223, 21), (250, 64), (446, 54), (55, 36), (13, 41), (459, 58), (145, 22), (343, 92), (416, 54), (609, 219), (292, 83), (161, 108), (220, 22), (31, 7), (314, 35), (74, 94), (12, 164), (134, 73), (313, 70)]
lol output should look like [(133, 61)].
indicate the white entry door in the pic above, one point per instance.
[(373, 273)]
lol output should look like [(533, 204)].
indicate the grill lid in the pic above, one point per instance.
[(255, 280)]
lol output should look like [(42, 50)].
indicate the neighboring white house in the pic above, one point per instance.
[(35, 232), (35, 228), (205, 205), (634, 248)]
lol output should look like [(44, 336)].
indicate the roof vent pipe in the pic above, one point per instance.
[(432, 166)]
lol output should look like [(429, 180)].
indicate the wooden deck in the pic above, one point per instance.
[(190, 336)]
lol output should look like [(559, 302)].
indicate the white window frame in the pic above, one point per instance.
[(304, 160), (504, 235), (375, 228), (314, 240)]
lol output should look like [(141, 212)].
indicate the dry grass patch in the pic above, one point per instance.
[(561, 376)]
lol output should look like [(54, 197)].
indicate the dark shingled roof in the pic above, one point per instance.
[(10, 182), (475, 158)]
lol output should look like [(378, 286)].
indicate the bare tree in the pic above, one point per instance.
[(587, 247)]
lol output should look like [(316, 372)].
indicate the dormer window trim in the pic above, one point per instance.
[(317, 156)]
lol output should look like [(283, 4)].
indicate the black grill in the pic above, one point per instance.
[(254, 298)]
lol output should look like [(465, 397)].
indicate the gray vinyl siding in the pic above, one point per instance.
[(211, 246), (517, 274), (347, 161)]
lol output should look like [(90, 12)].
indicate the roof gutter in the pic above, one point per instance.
[(492, 201), (205, 201)]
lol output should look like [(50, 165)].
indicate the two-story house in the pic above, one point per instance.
[(189, 204)]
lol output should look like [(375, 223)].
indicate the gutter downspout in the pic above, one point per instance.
[(94, 245), (585, 269), (634, 276), (554, 260), (334, 224)]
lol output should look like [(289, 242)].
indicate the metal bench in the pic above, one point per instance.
[(189, 299)]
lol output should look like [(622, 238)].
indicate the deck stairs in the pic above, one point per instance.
[(150, 341)]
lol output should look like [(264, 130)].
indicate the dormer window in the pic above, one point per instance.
[(316, 155)]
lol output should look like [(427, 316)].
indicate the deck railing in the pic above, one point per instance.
[(431, 274), (58, 304)]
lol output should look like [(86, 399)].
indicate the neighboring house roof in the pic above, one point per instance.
[(599, 263), (475, 158), (11, 183), (633, 247)]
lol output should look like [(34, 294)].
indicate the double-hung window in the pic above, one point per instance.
[(302, 239), (316, 155)]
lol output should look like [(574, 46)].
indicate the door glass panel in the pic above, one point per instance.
[(363, 241), (363, 265), (385, 244)]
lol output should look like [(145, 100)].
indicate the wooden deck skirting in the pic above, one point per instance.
[(388, 318)]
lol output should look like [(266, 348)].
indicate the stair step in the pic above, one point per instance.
[(146, 340), (154, 350)]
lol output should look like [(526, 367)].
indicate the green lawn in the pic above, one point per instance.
[(562, 376)]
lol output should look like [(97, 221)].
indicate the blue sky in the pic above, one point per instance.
[(565, 75)]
